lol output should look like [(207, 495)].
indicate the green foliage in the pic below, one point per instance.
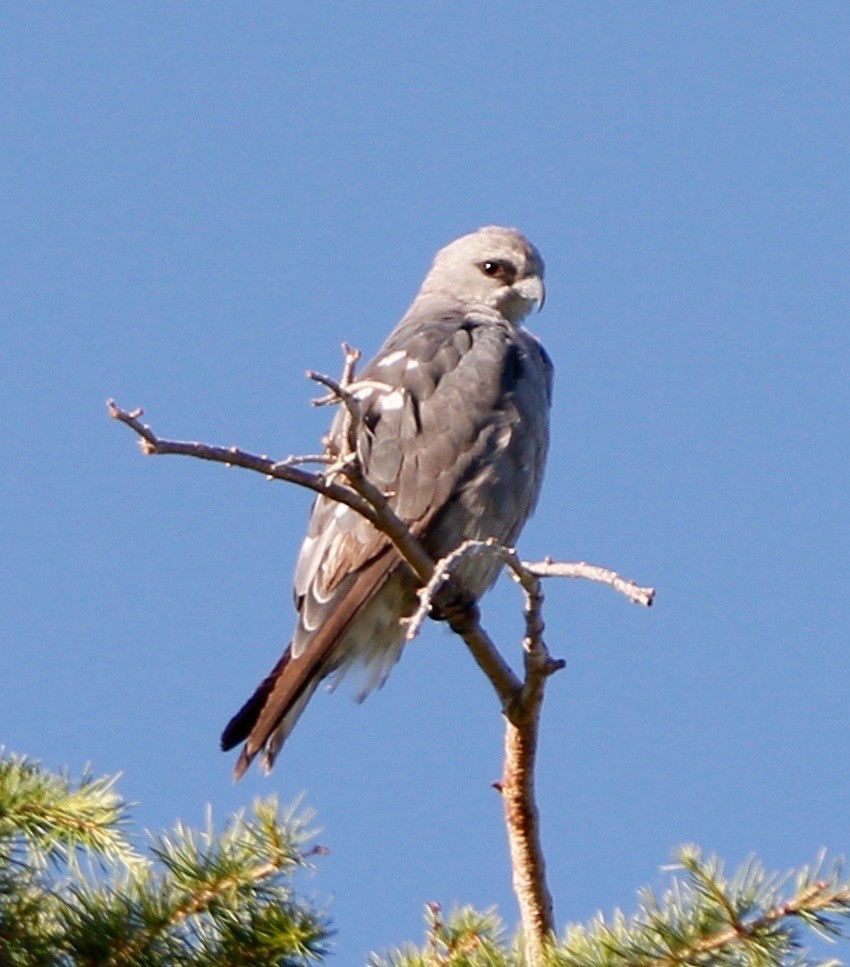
[(75, 892), (703, 918), (467, 939)]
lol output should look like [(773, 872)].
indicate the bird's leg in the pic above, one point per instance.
[(453, 603)]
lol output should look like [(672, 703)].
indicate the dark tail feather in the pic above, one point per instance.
[(241, 725), (268, 717)]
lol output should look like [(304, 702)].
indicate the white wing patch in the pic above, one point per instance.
[(393, 358), (365, 387), (393, 401)]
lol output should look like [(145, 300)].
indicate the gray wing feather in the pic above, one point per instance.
[(439, 436)]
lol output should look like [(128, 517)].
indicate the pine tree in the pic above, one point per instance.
[(703, 918), (75, 891)]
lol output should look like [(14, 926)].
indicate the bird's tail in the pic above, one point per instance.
[(267, 718)]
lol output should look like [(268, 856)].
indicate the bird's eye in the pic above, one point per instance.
[(499, 269)]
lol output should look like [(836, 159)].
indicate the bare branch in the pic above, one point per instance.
[(522, 816), (352, 356), (295, 461), (464, 619), (234, 457), (593, 572), (354, 411), (338, 392), (522, 704), (442, 595), (443, 570), (526, 574), (522, 819)]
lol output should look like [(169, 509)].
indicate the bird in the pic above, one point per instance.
[(454, 429)]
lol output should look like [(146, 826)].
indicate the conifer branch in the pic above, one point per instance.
[(48, 816), (702, 920), (204, 899), (200, 899)]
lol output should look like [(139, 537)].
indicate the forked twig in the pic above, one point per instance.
[(153, 445)]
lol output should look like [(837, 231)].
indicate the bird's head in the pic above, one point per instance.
[(494, 267)]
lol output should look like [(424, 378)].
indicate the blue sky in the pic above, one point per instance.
[(199, 202)]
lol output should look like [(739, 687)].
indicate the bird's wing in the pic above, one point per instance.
[(433, 405)]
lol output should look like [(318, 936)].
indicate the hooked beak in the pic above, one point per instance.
[(531, 289)]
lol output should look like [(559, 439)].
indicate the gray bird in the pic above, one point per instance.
[(455, 430)]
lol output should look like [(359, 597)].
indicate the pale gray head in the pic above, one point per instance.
[(495, 267)]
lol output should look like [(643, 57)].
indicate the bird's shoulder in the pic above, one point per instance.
[(434, 343)]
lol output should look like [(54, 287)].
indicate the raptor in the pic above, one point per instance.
[(455, 429)]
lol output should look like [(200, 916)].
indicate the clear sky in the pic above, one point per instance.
[(200, 201)]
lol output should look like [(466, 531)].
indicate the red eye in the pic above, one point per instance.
[(499, 269)]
